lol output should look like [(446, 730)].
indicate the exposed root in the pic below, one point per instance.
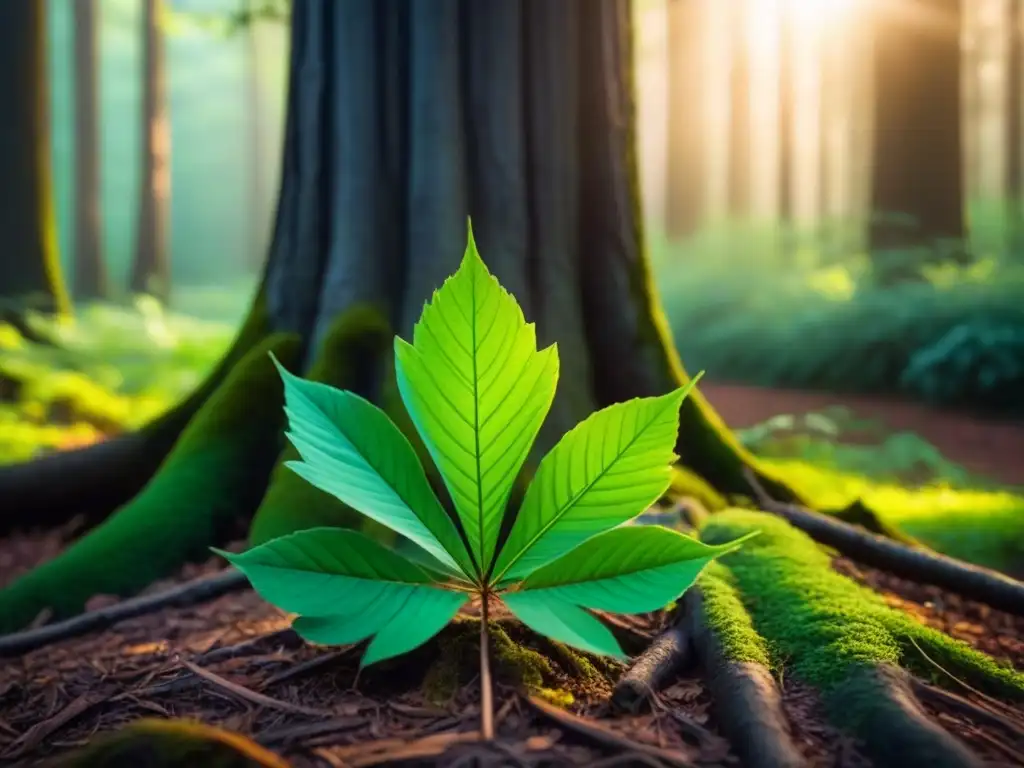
[(747, 700), (92, 482), (842, 638), (651, 670), (213, 478), (190, 593), (171, 744), (894, 730), (971, 581)]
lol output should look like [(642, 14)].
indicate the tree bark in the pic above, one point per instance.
[(687, 145), (30, 266), (404, 119), (739, 117), (151, 268), (917, 187), (90, 275)]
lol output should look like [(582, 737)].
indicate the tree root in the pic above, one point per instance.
[(214, 477), (970, 581), (746, 698), (665, 657), (190, 593), (94, 481)]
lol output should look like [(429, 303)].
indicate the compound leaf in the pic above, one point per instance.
[(606, 470), (477, 391), (632, 569), (353, 451)]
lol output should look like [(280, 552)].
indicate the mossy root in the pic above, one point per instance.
[(291, 503), (214, 476), (668, 654), (747, 699), (843, 639), (93, 482), (170, 744)]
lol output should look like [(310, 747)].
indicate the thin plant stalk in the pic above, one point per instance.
[(486, 691)]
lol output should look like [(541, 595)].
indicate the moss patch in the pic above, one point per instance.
[(824, 627), (729, 620)]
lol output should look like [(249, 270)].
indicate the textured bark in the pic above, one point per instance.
[(90, 274), (917, 166), (29, 266), (687, 147), (151, 268)]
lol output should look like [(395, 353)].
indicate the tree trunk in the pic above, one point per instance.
[(404, 119), (787, 110), (917, 187), (151, 269), (687, 144), (30, 265), (1014, 134), (256, 231), (90, 275), (739, 114)]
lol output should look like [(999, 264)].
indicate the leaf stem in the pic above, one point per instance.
[(486, 690)]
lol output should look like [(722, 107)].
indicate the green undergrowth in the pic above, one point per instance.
[(822, 627), (111, 369), (956, 337)]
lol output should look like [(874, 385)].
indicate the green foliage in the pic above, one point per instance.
[(477, 390)]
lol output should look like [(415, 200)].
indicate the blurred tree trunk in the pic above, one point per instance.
[(787, 109), (687, 146), (151, 272), (1014, 133), (917, 195), (258, 228), (30, 264), (90, 274), (739, 115)]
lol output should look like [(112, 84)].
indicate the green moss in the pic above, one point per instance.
[(291, 503), (825, 628), (213, 477), (688, 483), (729, 620)]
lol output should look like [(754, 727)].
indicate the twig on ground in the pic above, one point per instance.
[(241, 692), (42, 730), (306, 666), (287, 638), (980, 713), (387, 751), (179, 596), (602, 736), (293, 733), (665, 656), (921, 565)]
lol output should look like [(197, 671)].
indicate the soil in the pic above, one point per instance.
[(233, 662)]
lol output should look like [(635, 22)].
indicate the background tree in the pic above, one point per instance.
[(1014, 134), (917, 191), (687, 145), (30, 265), (787, 109), (90, 276), (403, 118), (739, 113), (151, 267)]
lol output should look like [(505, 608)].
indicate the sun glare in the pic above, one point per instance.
[(817, 12)]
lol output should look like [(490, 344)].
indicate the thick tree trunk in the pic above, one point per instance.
[(90, 275), (403, 120), (739, 116), (151, 269), (917, 188), (30, 266), (685, 179)]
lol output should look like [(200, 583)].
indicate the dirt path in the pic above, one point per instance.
[(984, 446)]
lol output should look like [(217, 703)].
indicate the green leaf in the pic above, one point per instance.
[(545, 613), (477, 390), (397, 630), (605, 471), (353, 451), (329, 571), (632, 569)]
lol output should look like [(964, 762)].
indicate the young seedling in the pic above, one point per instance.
[(477, 390)]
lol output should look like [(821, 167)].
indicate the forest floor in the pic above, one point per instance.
[(233, 662)]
